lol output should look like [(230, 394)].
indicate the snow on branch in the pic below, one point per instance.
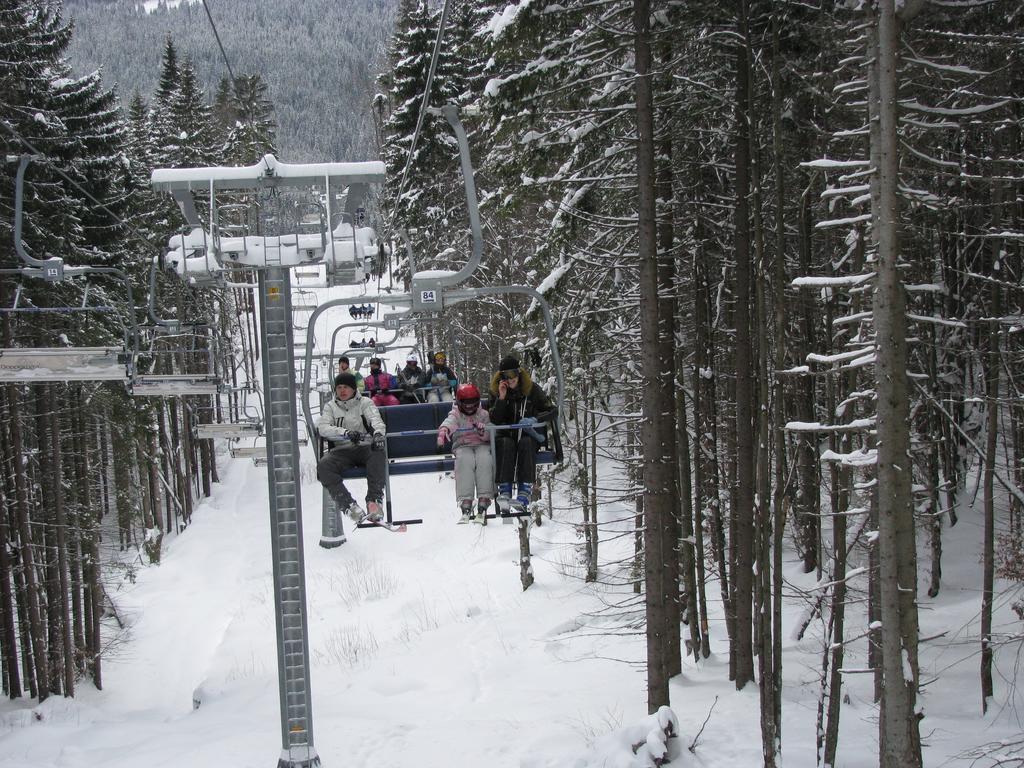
[(936, 320), (854, 318), (916, 106), (838, 357), (864, 217), (831, 282), (837, 191), (858, 458), (828, 163), (857, 425), (503, 19), (957, 70)]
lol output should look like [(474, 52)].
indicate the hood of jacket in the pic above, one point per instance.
[(525, 383)]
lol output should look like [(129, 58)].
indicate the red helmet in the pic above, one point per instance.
[(467, 397)]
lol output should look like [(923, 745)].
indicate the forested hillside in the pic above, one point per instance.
[(319, 59), (783, 242)]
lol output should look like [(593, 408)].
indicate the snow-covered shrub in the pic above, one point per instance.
[(650, 743)]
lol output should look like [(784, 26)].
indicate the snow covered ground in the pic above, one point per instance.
[(426, 653)]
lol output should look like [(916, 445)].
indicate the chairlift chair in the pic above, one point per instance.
[(204, 251), (64, 363), (229, 430)]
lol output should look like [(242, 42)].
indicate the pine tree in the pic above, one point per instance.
[(170, 76), (425, 201), (192, 136), (253, 131)]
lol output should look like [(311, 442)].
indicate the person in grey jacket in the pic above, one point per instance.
[(353, 424)]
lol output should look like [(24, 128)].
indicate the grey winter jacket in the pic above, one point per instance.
[(340, 417)]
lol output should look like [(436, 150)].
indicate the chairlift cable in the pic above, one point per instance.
[(220, 45), (227, 64), (424, 105)]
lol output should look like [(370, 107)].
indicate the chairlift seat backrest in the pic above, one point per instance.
[(248, 451), (172, 385), (228, 430)]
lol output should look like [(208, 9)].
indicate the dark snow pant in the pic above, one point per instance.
[(337, 460), (517, 459)]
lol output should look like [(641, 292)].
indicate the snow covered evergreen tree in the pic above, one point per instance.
[(252, 131), (423, 183)]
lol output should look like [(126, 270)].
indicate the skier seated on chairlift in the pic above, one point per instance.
[(379, 384), (442, 380), (353, 425), (516, 399), (412, 379), (353, 311), (371, 343), (343, 367), (466, 429)]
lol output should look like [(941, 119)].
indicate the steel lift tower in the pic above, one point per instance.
[(200, 256)]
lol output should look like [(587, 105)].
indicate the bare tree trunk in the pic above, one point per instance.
[(153, 475), (26, 542), (123, 457), (779, 277), (81, 496), (743, 530), (991, 368), (89, 514), (590, 526), (806, 506), (60, 515), (12, 678), (638, 516), (525, 567), (705, 419), (670, 556), (658, 472), (688, 541), (900, 745)]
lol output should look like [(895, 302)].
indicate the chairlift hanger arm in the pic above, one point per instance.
[(451, 114), (358, 324), (307, 367), (466, 294), (51, 269)]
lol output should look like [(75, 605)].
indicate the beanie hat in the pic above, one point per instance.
[(508, 363), (345, 379), (411, 358)]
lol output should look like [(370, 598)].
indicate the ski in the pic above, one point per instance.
[(367, 522)]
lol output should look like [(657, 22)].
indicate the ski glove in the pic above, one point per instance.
[(443, 436), (479, 427), (354, 437), (528, 423), (378, 443)]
